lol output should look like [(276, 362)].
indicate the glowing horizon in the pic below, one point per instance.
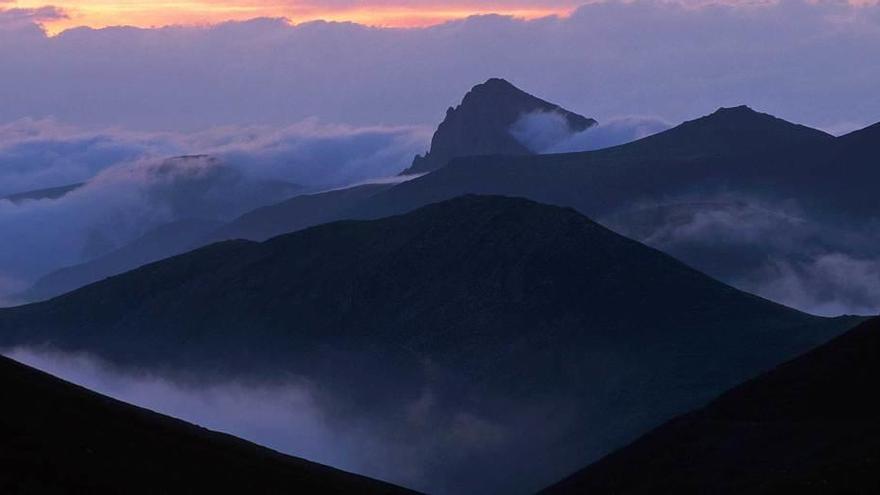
[(150, 14)]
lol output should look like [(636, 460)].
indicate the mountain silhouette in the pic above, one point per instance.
[(747, 193), (490, 316), (782, 193), (164, 241), (46, 193), (60, 438), (481, 125), (297, 213), (812, 425)]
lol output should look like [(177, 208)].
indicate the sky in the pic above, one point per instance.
[(811, 62), (397, 13)]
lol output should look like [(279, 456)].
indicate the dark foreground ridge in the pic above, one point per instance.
[(810, 426), (61, 438)]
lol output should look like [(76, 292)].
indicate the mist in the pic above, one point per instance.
[(131, 186), (295, 415), (548, 132), (771, 248)]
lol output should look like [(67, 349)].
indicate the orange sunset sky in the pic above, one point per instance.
[(392, 13)]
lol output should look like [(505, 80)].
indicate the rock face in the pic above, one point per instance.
[(60, 438), (811, 425), (481, 125)]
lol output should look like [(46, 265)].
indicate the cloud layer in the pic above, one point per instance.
[(769, 248), (801, 60), (132, 187), (548, 132)]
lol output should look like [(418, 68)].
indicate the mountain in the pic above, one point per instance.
[(47, 193), (737, 194), (812, 425), (482, 124), (174, 238), (164, 241), (728, 131), (60, 438), (294, 214), (703, 156), (200, 192), (469, 334)]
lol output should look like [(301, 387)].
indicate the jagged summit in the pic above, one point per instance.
[(481, 124)]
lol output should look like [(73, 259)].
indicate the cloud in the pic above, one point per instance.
[(540, 131), (548, 132), (283, 416), (18, 25), (132, 187), (408, 444), (771, 248), (23, 16), (800, 60), (828, 284)]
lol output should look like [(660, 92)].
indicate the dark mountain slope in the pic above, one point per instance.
[(47, 193), (206, 194), (297, 213), (60, 438), (481, 125), (728, 131), (811, 425), (727, 150), (816, 193), (162, 242), (505, 312)]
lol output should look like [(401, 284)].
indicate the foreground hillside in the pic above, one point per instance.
[(812, 425), (456, 327), (60, 438)]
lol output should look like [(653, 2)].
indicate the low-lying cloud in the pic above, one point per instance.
[(408, 445), (131, 186), (828, 284), (549, 132), (770, 248), (614, 132)]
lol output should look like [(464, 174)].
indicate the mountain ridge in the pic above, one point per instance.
[(808, 426), (61, 438), (481, 125), (506, 310)]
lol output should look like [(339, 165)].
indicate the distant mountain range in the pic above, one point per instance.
[(810, 426), (553, 339), (482, 124), (737, 194), (164, 241), (60, 438)]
